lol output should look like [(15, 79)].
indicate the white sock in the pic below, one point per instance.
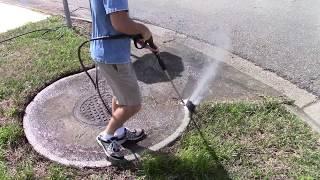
[(120, 132), (105, 136)]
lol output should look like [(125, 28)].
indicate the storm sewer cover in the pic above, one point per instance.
[(91, 110)]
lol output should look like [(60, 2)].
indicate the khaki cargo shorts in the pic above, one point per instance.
[(123, 81)]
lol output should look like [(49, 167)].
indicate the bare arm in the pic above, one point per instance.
[(121, 22)]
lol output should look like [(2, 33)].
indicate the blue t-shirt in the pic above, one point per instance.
[(115, 51)]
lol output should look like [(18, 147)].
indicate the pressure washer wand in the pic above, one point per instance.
[(163, 67), (191, 107)]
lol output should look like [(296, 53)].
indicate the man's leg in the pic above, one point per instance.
[(121, 131), (120, 116), (114, 104), (124, 85)]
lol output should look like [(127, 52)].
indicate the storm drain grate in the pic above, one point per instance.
[(91, 110)]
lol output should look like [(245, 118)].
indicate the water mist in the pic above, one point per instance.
[(210, 70)]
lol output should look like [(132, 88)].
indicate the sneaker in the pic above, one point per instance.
[(131, 135), (112, 148)]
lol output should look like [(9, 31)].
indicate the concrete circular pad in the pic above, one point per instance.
[(64, 119)]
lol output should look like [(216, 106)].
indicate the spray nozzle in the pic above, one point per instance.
[(191, 107)]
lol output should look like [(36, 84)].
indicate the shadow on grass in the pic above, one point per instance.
[(191, 162), (183, 165), (166, 166)]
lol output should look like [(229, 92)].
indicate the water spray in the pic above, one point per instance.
[(189, 104)]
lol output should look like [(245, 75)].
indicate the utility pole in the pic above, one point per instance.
[(67, 13)]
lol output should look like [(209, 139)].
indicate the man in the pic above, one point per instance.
[(110, 17)]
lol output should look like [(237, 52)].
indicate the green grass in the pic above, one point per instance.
[(25, 170), (10, 134), (57, 172), (31, 61), (28, 64), (245, 141), (3, 170)]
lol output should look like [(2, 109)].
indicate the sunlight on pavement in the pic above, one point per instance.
[(12, 17)]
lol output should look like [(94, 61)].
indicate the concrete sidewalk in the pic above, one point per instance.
[(12, 17)]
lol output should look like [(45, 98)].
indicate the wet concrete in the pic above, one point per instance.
[(64, 119)]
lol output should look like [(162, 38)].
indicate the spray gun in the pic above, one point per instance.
[(140, 45)]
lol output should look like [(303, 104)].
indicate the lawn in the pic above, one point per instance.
[(27, 65), (247, 140), (242, 141)]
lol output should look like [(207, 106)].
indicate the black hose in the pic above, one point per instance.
[(96, 84), (38, 30)]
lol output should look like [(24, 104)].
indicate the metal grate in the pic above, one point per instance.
[(93, 112)]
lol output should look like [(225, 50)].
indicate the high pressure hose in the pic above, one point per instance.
[(96, 84), (46, 30), (139, 44)]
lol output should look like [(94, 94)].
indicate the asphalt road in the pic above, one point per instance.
[(282, 36)]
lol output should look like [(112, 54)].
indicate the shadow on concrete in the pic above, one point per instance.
[(149, 71)]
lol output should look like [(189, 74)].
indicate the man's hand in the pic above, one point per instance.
[(146, 35), (121, 22), (151, 46), (145, 44)]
